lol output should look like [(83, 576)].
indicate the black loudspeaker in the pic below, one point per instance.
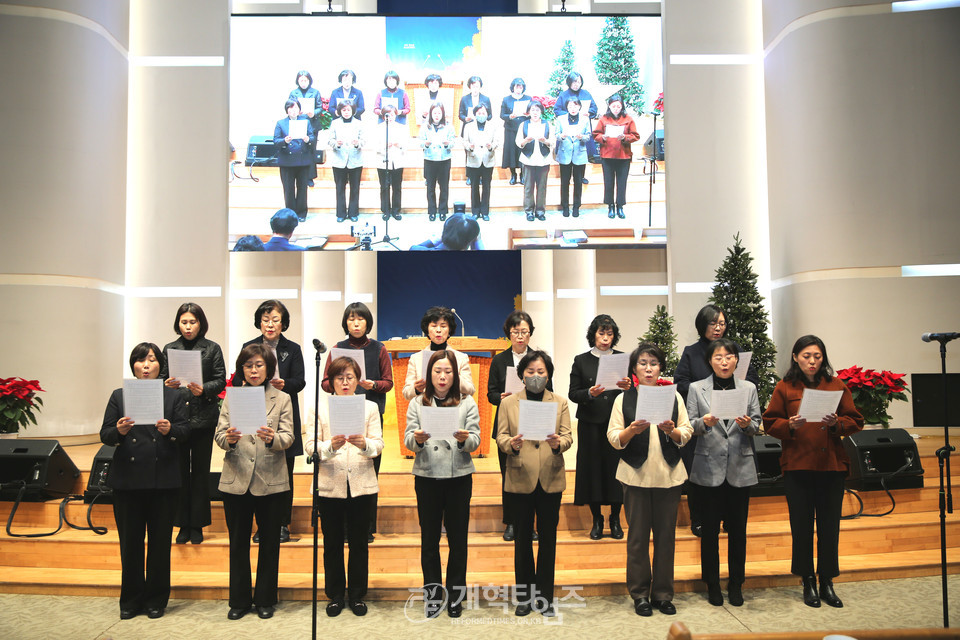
[(43, 465), (97, 480), (648, 145), (770, 475), (262, 152), (877, 454)]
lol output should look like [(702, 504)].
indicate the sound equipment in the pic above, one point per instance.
[(768, 450), (97, 480), (877, 454), (42, 465), (648, 145), (262, 152)]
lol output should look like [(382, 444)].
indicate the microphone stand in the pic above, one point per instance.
[(946, 492), (653, 172), (315, 506), (386, 165)]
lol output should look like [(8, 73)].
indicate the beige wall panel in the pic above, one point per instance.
[(572, 270), (715, 26), (640, 267), (186, 27), (537, 273), (778, 14), (112, 16)]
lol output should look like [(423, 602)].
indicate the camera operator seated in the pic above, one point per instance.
[(283, 223)]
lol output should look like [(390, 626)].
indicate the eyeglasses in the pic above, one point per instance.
[(345, 378), (249, 366), (722, 325), (522, 333), (721, 359)]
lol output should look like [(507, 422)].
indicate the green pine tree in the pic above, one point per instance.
[(747, 320), (563, 66), (615, 62), (661, 334)]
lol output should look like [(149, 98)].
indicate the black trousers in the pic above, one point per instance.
[(239, 511), (437, 172), (444, 502), (388, 204), (535, 581), (355, 512), (508, 499), (294, 181), (138, 513), (194, 509), (615, 171), (566, 172), (341, 177), (815, 496), (480, 178), (731, 505), (287, 514)]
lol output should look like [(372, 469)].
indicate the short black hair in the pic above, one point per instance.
[(573, 75), (391, 74), (473, 79), (194, 308), (346, 103), (142, 350), (721, 343), (433, 76), (357, 309), (615, 98), (573, 99), (709, 313), (290, 103), (532, 356), (304, 73), (795, 374), (353, 76), (481, 106), (515, 318), (388, 108), (257, 349), (266, 307), (518, 81), (647, 348), (248, 243), (284, 221), (340, 365), (535, 103), (443, 112), (602, 321), (436, 314), (459, 231)]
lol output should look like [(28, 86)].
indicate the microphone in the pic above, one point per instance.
[(319, 346), (939, 337), (463, 329)]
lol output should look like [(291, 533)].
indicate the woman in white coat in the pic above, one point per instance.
[(481, 139), (345, 138)]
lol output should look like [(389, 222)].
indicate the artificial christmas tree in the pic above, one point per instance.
[(615, 62), (563, 66), (661, 334)]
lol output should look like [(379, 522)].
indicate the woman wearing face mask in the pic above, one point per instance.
[(252, 482), (390, 141), (438, 323), (468, 105), (651, 475), (145, 479), (513, 112), (814, 465), (518, 328), (345, 138), (311, 106), (597, 461), (347, 488), (436, 140), (202, 402), (535, 138), (357, 323), (295, 158), (724, 469), (537, 477), (443, 478), (346, 92), (615, 132), (272, 318), (481, 139), (393, 96), (588, 109), (573, 133)]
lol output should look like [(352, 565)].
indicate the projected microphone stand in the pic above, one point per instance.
[(653, 171), (946, 492), (315, 503), (386, 216)]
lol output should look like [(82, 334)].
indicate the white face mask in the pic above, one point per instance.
[(481, 119), (535, 384)]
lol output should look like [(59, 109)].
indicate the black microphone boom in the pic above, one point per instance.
[(939, 337), (319, 346)]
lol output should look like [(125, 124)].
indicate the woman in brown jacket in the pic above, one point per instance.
[(814, 465), (615, 132), (536, 477)]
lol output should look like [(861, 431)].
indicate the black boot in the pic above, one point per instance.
[(610, 213), (597, 531), (620, 213), (566, 211), (810, 596), (616, 532), (714, 595), (827, 593), (735, 592)]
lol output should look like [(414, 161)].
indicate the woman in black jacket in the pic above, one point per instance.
[(203, 410), (145, 479)]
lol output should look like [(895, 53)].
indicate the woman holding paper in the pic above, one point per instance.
[(588, 108), (345, 138), (346, 92), (311, 106), (536, 477), (437, 323), (392, 96), (536, 139), (390, 140), (145, 479), (513, 112), (615, 132), (443, 478), (481, 139), (272, 318), (436, 140), (346, 486), (724, 467), (597, 460), (814, 464), (202, 399), (377, 382), (253, 481), (573, 133), (295, 139), (651, 475)]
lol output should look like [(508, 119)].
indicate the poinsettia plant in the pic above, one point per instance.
[(548, 104), (658, 105), (18, 401), (873, 391), (661, 382)]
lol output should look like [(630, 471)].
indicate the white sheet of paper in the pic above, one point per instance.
[(307, 104), (743, 364), (816, 404), (393, 102), (585, 107), (520, 107), (514, 383), (537, 419), (346, 415), (298, 129), (440, 422), (185, 366), (728, 405), (143, 400), (248, 408), (613, 130), (612, 369), (354, 354), (424, 362), (655, 404)]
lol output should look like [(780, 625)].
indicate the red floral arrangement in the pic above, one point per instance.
[(548, 104), (223, 393), (873, 391), (18, 400), (658, 104), (661, 382)]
